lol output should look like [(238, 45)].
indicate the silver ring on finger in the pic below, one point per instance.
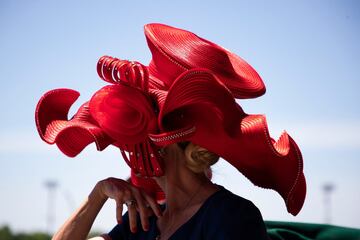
[(130, 202)]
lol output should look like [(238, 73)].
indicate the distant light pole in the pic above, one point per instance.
[(51, 186), (328, 188), (69, 200)]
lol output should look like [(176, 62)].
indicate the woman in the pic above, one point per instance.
[(224, 215), (171, 120)]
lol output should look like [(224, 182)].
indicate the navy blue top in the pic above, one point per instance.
[(223, 215)]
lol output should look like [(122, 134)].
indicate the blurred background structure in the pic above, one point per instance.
[(51, 187), (328, 189), (307, 52)]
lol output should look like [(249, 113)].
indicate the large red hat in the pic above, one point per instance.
[(187, 93)]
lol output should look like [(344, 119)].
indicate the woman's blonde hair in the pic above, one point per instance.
[(198, 159)]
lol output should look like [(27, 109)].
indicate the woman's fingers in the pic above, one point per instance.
[(142, 208), (119, 209), (153, 205), (131, 204), (135, 199)]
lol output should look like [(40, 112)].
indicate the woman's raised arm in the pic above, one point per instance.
[(79, 224)]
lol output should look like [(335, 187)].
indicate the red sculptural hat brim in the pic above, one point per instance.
[(176, 50)]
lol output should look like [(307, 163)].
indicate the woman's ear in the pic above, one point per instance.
[(191, 150), (188, 150)]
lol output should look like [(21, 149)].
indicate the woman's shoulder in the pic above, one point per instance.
[(224, 200), (227, 214)]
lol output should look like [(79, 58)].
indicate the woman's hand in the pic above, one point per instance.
[(135, 199), (79, 223)]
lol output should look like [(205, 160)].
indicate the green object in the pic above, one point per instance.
[(309, 231)]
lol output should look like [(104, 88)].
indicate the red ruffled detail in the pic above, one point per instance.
[(197, 98), (125, 113), (71, 136), (277, 165)]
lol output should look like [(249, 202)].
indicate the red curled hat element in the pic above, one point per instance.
[(114, 70), (187, 93), (176, 50), (124, 113), (71, 136)]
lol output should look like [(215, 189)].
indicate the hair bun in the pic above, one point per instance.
[(199, 159)]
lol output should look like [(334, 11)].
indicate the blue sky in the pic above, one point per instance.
[(307, 52)]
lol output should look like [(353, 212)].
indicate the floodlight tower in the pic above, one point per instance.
[(51, 186), (328, 188)]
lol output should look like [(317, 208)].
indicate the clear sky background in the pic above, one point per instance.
[(307, 52)]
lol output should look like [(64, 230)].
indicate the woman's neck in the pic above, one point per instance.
[(184, 188)]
